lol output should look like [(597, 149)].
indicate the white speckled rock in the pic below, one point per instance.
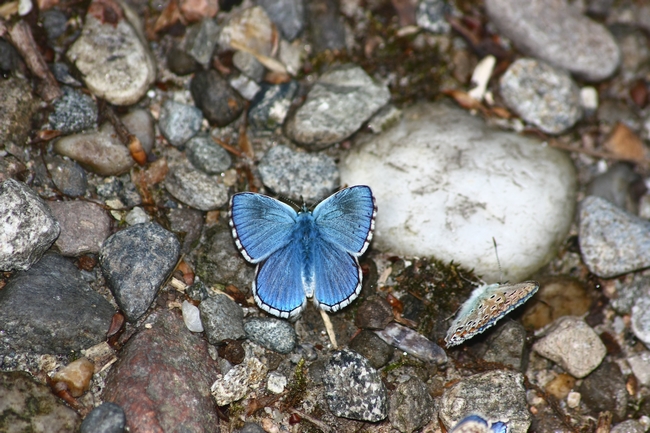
[(114, 58), (446, 184)]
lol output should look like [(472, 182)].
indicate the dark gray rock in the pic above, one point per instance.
[(604, 389), (51, 309), (187, 224), (75, 111), (616, 185), (54, 22), (201, 39), (288, 15), (68, 176), (28, 406), (325, 25), (374, 313), (274, 334), (206, 155), (213, 95), (411, 406), (353, 389), (222, 319), (506, 345), (28, 226), (9, 57), (105, 418), (135, 262), (271, 104), (180, 62), (179, 122), (299, 175), (612, 242)]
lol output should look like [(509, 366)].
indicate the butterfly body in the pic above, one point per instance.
[(304, 254), (486, 305)]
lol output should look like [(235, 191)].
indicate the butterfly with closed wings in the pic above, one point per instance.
[(304, 254)]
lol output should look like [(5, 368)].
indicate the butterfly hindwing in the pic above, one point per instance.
[(337, 277), (278, 287), (260, 225), (347, 218), (477, 424)]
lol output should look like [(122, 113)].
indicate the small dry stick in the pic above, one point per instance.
[(329, 328)]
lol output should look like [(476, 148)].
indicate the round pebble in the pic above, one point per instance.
[(207, 156), (276, 383), (234, 385), (299, 175), (431, 203), (75, 111), (555, 32), (191, 317), (140, 123), (68, 176), (179, 122), (213, 95), (336, 107), (373, 348), (431, 15), (273, 334), (271, 105), (612, 242), (542, 95), (195, 188), (76, 376)]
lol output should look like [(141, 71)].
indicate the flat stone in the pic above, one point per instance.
[(273, 334), (179, 122), (336, 107), (195, 188), (288, 15), (556, 32), (68, 176), (99, 151), (612, 241), (84, 227), (411, 406), (206, 155), (28, 226), (446, 185), (222, 319), (51, 309)]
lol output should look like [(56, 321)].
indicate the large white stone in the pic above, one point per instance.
[(446, 184)]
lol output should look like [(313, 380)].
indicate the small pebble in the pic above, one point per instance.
[(374, 313), (191, 317), (200, 41), (18, 107), (250, 30), (120, 72), (499, 393), (28, 226), (506, 345), (140, 123), (251, 427), (271, 104), (612, 242), (615, 186), (411, 406), (573, 399), (234, 385), (99, 151), (61, 72), (604, 390), (68, 176), (54, 23), (105, 418), (273, 334), (299, 175), (325, 26), (206, 155), (179, 122), (181, 63), (413, 343), (245, 86), (542, 95), (336, 107), (76, 376), (573, 345), (136, 262), (248, 65), (213, 95), (137, 215), (373, 348), (195, 188), (187, 224), (75, 111), (353, 389), (84, 227), (222, 319), (276, 383), (431, 15)]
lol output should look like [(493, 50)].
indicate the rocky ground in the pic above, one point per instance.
[(506, 128)]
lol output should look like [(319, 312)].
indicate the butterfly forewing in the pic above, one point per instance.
[(278, 286), (347, 218), (260, 225)]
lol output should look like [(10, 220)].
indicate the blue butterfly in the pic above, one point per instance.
[(304, 254), (477, 424)]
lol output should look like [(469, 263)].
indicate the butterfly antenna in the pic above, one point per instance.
[(496, 253)]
